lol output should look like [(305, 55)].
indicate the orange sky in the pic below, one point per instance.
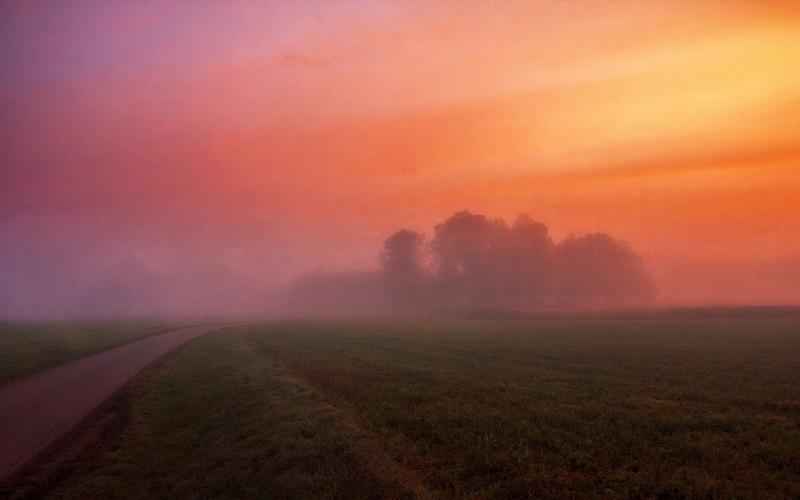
[(674, 125)]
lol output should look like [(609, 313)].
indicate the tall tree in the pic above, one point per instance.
[(403, 269)]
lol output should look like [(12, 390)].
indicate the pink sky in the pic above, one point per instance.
[(280, 137)]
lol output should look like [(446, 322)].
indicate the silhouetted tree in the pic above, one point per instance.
[(525, 264), (597, 270), (403, 269), (402, 253), (462, 249), (483, 262)]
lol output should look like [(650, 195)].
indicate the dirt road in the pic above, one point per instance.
[(37, 410)]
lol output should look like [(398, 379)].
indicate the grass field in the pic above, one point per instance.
[(26, 348), (597, 408)]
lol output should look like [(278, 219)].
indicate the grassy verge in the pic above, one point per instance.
[(664, 408), (26, 348)]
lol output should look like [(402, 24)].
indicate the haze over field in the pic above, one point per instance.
[(197, 157)]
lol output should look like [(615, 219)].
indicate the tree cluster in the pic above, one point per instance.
[(478, 262), (473, 262)]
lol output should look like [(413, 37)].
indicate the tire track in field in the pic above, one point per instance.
[(367, 446)]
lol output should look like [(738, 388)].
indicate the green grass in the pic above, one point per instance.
[(658, 408), (26, 348), (221, 420)]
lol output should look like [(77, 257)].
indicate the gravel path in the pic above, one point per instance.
[(37, 410)]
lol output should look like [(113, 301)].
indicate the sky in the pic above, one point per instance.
[(272, 138)]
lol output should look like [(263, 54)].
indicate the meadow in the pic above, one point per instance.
[(662, 407), (30, 347)]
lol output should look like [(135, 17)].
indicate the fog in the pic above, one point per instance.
[(69, 268), (77, 267), (66, 267), (88, 266)]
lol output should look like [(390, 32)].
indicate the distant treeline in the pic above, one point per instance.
[(476, 263)]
